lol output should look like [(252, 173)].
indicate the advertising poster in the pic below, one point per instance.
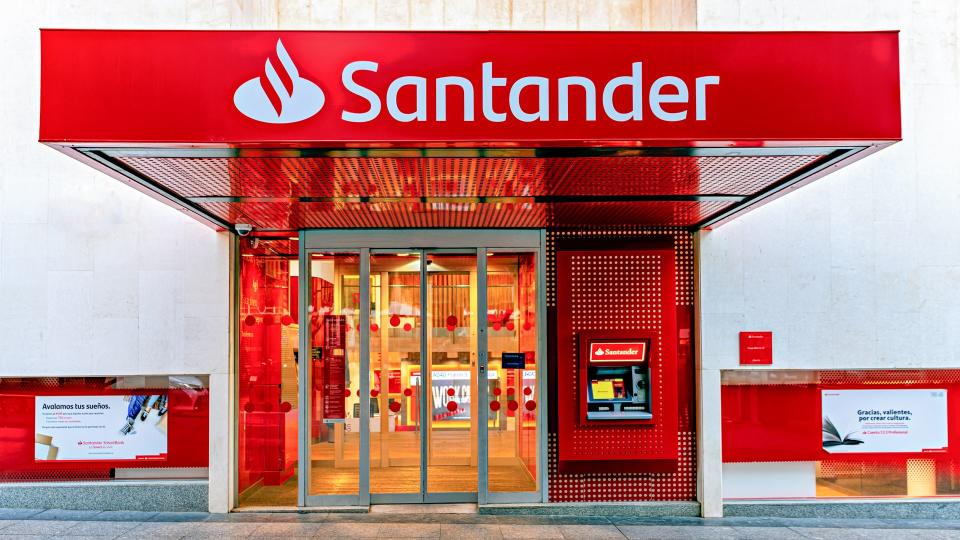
[(877, 421), (100, 427), (451, 387), (334, 368)]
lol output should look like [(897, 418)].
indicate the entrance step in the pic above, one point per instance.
[(466, 508)]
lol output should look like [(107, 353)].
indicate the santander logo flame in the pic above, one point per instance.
[(284, 99)]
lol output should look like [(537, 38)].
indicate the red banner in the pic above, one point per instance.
[(495, 88)]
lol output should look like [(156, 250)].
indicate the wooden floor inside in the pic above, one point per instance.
[(440, 479), (449, 471)]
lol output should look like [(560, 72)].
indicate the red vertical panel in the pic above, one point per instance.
[(615, 483), (617, 291)]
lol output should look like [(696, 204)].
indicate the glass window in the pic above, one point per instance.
[(267, 389), (839, 434)]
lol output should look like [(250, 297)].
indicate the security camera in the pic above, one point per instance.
[(243, 229)]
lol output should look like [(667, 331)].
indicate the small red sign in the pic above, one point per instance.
[(756, 348), (619, 351)]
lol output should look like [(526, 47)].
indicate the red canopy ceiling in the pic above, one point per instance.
[(755, 115)]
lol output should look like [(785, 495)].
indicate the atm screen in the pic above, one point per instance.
[(607, 389)]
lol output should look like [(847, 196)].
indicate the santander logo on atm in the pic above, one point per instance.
[(282, 96), (618, 351)]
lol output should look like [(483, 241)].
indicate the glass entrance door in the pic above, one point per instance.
[(401, 404), (395, 365), (451, 375)]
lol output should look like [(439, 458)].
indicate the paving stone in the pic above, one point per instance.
[(182, 516), (18, 513), (836, 533), (477, 531), (348, 530), (514, 519), (466, 519), (101, 528), (654, 532), (530, 531), (65, 515), (577, 532), (286, 529), (177, 529), (410, 530), (764, 533), (945, 524), (665, 522), (927, 534), (39, 527), (124, 515), (68, 537)]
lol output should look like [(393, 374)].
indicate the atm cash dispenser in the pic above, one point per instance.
[(616, 379)]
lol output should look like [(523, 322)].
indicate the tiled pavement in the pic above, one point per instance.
[(15, 523)]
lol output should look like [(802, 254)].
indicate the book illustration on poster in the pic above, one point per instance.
[(889, 420), (832, 437)]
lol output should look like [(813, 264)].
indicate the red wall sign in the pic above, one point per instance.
[(756, 348), (495, 88)]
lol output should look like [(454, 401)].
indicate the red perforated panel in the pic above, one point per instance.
[(285, 190), (618, 290), (466, 176), (622, 294)]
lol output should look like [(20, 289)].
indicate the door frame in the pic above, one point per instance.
[(362, 241)]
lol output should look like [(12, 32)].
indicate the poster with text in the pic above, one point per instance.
[(894, 420), (107, 428)]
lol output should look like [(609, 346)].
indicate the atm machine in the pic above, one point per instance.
[(615, 381)]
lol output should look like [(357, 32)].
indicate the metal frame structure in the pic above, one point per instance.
[(423, 242)]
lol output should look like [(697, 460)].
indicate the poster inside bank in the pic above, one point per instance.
[(122, 427), (880, 421)]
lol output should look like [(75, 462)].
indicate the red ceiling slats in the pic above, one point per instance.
[(548, 191)]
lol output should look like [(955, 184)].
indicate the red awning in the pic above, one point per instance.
[(290, 130)]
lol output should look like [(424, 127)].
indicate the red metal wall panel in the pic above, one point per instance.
[(606, 290)]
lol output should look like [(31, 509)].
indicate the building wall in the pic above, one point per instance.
[(859, 269), (99, 279)]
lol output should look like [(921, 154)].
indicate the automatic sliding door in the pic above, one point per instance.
[(514, 400), (451, 377), (332, 375), (397, 403), (395, 390)]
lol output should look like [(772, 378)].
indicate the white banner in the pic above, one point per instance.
[(894, 420), (100, 427)]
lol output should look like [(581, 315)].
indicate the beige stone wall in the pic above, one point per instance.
[(448, 14)]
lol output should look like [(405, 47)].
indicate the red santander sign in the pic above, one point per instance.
[(463, 88), (618, 351)]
